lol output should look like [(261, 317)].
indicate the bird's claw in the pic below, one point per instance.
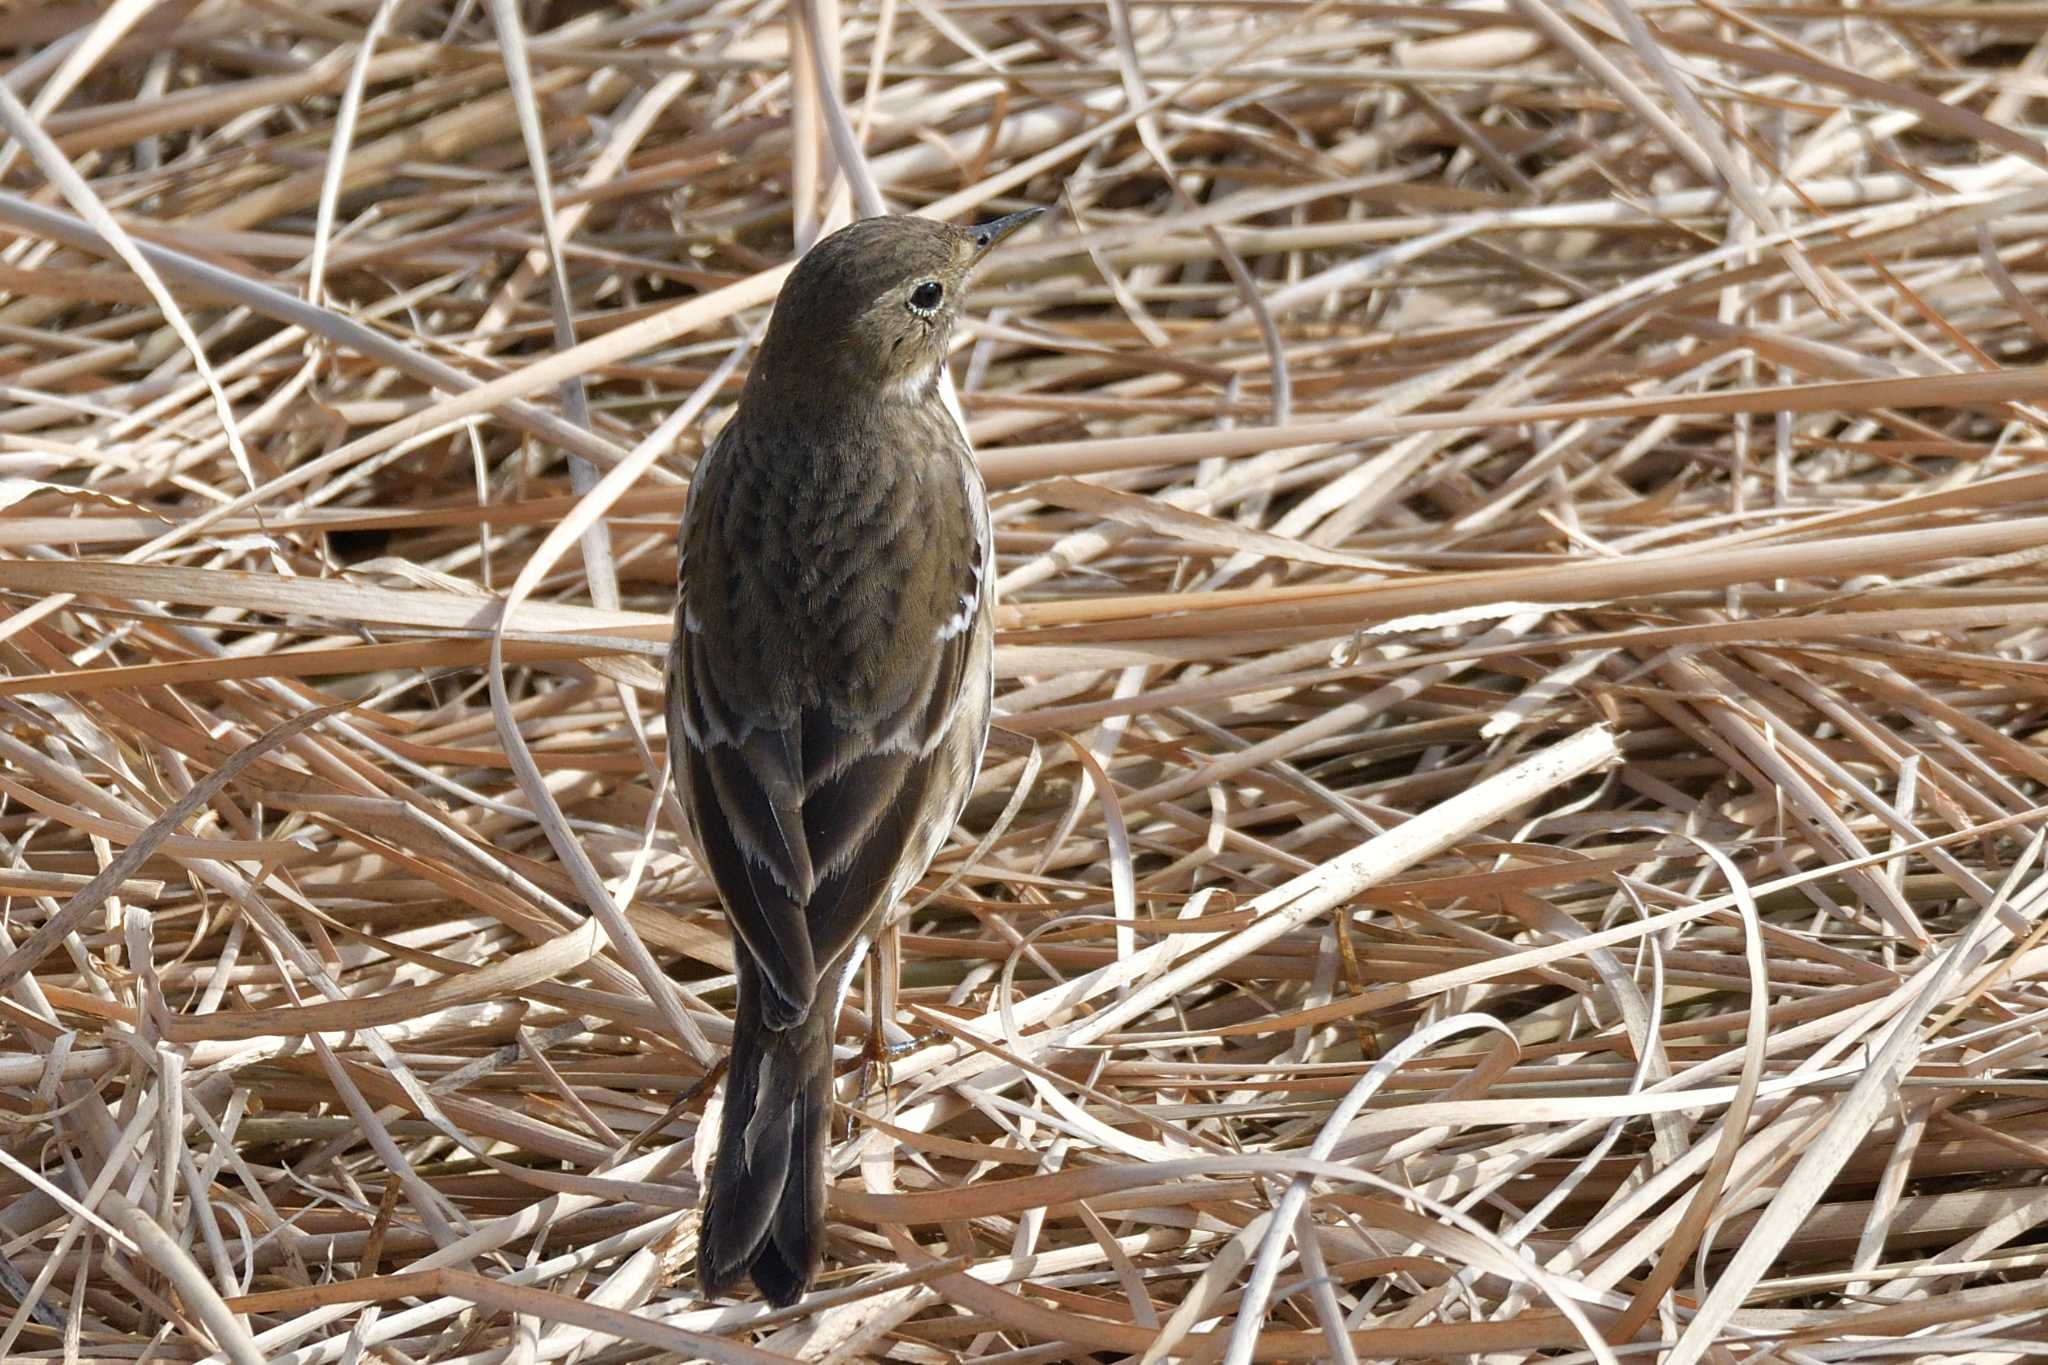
[(876, 1058)]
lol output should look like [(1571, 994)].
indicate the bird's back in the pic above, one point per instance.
[(831, 673), (824, 559)]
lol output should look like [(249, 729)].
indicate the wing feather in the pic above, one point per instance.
[(739, 830)]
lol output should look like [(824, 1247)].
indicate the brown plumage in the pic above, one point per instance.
[(829, 688)]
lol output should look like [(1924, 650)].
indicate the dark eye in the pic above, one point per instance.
[(926, 296)]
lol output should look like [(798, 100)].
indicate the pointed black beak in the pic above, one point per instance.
[(986, 235)]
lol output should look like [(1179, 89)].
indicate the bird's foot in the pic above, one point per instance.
[(876, 1058)]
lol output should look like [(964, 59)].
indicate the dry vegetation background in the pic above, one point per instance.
[(1518, 834)]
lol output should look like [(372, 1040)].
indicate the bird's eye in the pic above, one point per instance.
[(926, 296)]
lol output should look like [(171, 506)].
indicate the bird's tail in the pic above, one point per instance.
[(764, 1207)]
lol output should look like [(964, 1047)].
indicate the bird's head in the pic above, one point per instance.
[(872, 306)]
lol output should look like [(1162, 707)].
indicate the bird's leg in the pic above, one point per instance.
[(874, 1065), (882, 966), (880, 1052), (1354, 979)]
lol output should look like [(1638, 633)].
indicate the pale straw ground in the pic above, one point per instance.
[(1517, 827)]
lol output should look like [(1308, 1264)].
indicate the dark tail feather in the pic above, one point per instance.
[(764, 1207)]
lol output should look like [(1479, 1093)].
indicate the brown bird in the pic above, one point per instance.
[(829, 688)]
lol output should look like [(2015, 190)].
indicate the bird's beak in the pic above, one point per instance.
[(986, 235)]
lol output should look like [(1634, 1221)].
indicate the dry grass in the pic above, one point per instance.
[(1518, 831)]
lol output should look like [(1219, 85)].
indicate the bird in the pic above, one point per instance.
[(830, 688)]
